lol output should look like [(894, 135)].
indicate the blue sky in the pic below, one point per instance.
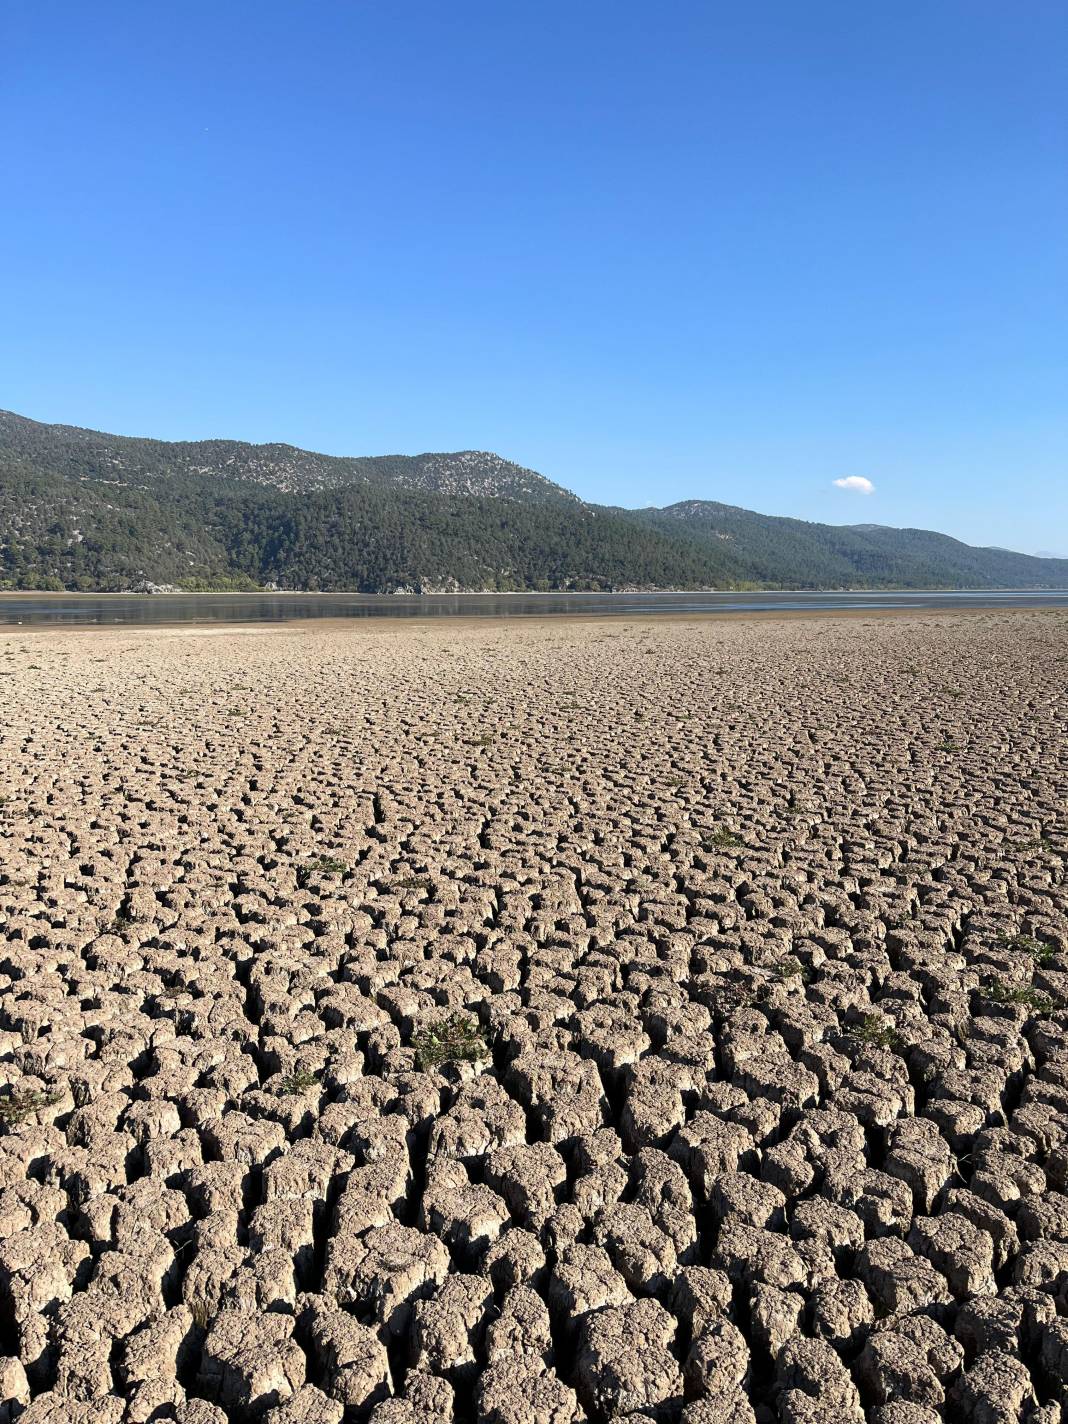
[(726, 251)]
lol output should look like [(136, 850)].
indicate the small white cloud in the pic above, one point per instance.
[(857, 483)]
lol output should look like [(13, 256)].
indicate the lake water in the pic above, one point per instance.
[(162, 608)]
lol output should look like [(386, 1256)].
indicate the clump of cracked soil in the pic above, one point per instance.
[(536, 1023)]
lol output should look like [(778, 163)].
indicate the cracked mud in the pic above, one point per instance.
[(529, 1024)]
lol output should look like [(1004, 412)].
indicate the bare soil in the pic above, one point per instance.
[(532, 1023)]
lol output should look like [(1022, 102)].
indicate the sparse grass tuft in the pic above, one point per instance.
[(457, 1039), (791, 968), (724, 999), (875, 1029), (320, 865), (415, 882), (1039, 951), (16, 1105), (722, 840), (297, 1083), (1024, 996), (1038, 844)]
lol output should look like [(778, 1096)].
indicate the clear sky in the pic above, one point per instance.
[(654, 250)]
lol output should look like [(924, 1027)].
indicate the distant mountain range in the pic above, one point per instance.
[(84, 510)]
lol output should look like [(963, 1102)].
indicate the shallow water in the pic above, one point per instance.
[(162, 608)]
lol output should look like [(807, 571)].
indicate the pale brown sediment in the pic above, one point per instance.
[(761, 920)]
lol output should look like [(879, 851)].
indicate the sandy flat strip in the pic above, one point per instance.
[(376, 623)]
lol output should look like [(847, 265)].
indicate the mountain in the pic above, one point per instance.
[(80, 509), (145, 464), (84, 510), (773, 550)]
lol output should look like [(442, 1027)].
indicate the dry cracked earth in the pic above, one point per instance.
[(536, 1023)]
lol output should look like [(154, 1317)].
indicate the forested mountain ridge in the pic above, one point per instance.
[(84, 510), (86, 536), (142, 463), (772, 549)]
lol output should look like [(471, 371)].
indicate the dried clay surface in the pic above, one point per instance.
[(536, 1023)]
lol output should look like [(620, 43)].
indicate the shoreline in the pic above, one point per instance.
[(384, 622), (945, 591)]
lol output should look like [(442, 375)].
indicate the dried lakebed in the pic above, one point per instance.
[(536, 1023)]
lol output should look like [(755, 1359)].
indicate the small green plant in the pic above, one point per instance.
[(414, 882), (17, 1105), (1019, 995), (724, 999), (791, 968), (1039, 951), (946, 746), (722, 840), (456, 1039), (297, 1083), (320, 865), (875, 1030)]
